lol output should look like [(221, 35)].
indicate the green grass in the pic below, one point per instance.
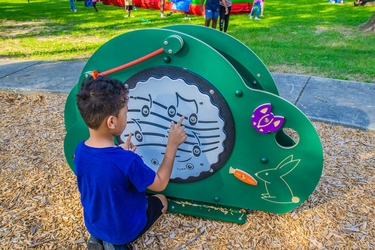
[(303, 36)]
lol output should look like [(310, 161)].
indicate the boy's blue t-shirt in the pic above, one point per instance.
[(112, 182), (213, 5)]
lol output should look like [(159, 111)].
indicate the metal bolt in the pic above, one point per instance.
[(255, 82), (170, 51), (259, 75), (238, 93), (212, 91), (165, 42), (167, 59)]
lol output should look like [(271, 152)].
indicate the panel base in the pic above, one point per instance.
[(206, 210)]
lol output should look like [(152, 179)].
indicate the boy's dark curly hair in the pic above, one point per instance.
[(99, 98)]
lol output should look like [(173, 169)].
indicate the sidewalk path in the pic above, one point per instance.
[(335, 101)]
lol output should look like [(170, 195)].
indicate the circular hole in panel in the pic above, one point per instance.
[(287, 138)]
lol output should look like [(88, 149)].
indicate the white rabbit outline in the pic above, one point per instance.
[(286, 162)]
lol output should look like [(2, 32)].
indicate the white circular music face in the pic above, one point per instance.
[(153, 104)]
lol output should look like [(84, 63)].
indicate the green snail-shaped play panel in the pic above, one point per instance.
[(238, 154)]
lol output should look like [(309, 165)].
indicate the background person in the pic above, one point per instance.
[(72, 7), (257, 6), (224, 18), (128, 7), (162, 2), (212, 9), (94, 4)]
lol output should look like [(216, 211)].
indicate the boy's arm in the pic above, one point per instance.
[(225, 5), (176, 137), (202, 1)]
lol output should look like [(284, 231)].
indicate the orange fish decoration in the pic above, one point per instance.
[(243, 176)]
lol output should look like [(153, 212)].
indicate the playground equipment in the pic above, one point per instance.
[(186, 6), (239, 154)]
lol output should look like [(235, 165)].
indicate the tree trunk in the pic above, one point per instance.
[(369, 25)]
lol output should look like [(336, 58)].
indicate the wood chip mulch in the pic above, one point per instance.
[(40, 207)]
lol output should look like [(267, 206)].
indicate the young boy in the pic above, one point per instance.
[(112, 179)]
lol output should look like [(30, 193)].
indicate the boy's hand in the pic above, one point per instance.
[(177, 134), (176, 137), (128, 145)]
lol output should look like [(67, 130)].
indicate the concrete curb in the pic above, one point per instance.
[(333, 101)]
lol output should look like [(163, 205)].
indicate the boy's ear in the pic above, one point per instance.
[(110, 122)]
